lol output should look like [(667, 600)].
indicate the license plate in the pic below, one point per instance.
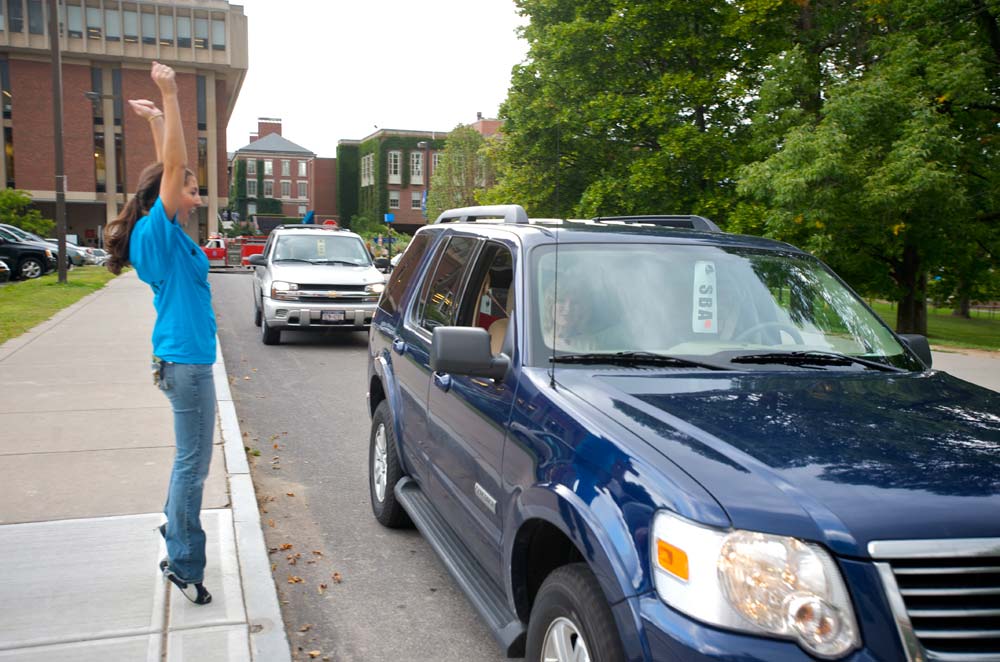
[(332, 316)]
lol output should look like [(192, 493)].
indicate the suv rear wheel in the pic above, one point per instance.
[(570, 620), (384, 470), (30, 267)]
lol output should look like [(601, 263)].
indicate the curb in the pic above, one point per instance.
[(268, 642)]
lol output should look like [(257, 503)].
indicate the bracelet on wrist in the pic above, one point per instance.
[(153, 117)]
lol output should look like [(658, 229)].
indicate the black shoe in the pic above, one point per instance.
[(196, 593)]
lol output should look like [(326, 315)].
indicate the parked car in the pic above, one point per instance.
[(78, 255), (100, 256), (632, 440), (28, 259), (313, 277), (5, 273), (75, 257)]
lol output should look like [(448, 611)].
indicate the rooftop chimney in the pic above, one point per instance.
[(268, 125), (253, 136), (479, 116)]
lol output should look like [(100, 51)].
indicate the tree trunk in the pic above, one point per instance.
[(911, 316), (962, 310)]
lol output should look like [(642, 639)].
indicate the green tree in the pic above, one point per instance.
[(16, 210), (464, 173)]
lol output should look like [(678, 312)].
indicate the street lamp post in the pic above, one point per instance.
[(57, 117)]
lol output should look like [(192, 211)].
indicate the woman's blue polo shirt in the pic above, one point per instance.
[(175, 267)]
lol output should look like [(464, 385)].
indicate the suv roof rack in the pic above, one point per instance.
[(508, 213), (308, 226), (665, 220)]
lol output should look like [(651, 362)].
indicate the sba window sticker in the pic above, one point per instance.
[(704, 313)]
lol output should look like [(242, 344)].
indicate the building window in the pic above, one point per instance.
[(286, 188), (251, 188), (416, 168), (184, 31), (203, 166), (435, 160), (218, 34), (148, 20), (201, 32), (393, 199), (131, 22), (368, 170), (286, 168), (36, 18), (119, 164), (393, 167), (201, 102), (116, 90), (100, 171), (8, 140), (268, 168), (303, 193), (97, 105), (112, 25), (302, 210), (5, 88), (251, 208), (74, 20), (15, 16), (251, 166), (416, 200), (166, 28), (302, 168), (268, 188)]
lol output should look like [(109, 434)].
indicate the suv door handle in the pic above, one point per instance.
[(399, 345), (442, 381)]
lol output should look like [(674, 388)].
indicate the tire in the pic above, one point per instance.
[(269, 335), (30, 267), (570, 607), (256, 315), (384, 471)]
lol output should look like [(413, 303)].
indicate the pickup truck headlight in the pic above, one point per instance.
[(374, 288), (754, 582), (282, 290)]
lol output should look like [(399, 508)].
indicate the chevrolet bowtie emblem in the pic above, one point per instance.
[(333, 294)]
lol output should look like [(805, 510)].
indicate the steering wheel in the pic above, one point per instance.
[(781, 326)]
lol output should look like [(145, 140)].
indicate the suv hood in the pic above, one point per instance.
[(325, 274), (839, 457)]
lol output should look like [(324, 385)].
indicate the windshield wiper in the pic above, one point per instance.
[(633, 358), (813, 358), (292, 259), (353, 264)]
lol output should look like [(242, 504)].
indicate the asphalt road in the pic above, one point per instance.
[(301, 406)]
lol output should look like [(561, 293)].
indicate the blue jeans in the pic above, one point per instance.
[(191, 391)]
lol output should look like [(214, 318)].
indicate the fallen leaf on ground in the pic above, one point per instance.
[(305, 628), (289, 493), (287, 545), (337, 578), (315, 654), (295, 579), (321, 588), (317, 552), (246, 377), (270, 522)]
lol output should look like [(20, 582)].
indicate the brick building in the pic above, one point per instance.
[(107, 48), (273, 175), (390, 170)]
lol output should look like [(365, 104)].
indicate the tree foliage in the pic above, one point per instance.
[(16, 210), (463, 174)]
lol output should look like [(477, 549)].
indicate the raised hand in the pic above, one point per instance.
[(164, 77), (144, 108)]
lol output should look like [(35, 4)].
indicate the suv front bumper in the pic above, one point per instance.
[(300, 315)]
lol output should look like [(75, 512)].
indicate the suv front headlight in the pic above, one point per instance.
[(754, 582), (282, 290)]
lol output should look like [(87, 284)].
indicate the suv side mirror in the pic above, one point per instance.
[(257, 260), (919, 345), (465, 350)]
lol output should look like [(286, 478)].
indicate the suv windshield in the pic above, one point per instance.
[(321, 249), (700, 301)]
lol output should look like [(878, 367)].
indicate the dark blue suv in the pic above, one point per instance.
[(643, 438)]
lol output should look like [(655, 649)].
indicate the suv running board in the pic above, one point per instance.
[(481, 591)]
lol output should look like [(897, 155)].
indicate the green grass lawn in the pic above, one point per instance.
[(980, 332), (27, 303)]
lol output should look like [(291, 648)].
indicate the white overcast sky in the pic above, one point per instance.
[(336, 69)]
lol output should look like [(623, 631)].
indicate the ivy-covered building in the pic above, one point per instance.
[(273, 175), (388, 172)]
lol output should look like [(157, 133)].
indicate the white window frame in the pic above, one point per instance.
[(268, 188), (302, 169), (393, 199), (286, 168), (416, 200), (435, 160), (416, 168), (252, 166), (302, 210), (368, 170), (303, 189), (268, 168), (286, 189), (251, 208), (392, 163), (252, 187)]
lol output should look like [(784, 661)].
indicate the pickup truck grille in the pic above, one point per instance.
[(945, 596)]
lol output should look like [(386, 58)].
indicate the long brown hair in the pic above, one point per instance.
[(119, 231)]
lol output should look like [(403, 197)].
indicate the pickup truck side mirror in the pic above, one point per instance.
[(257, 260), (382, 263), (465, 350), (919, 345)]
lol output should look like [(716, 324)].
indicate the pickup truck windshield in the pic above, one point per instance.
[(320, 249), (700, 301)]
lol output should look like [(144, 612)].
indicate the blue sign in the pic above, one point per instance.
[(389, 218)]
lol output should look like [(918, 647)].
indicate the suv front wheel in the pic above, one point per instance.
[(571, 621), (268, 334), (384, 470)]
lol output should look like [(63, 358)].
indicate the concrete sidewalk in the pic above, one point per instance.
[(86, 447)]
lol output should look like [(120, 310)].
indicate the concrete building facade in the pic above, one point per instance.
[(107, 48)]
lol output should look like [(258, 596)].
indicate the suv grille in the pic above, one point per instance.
[(945, 596)]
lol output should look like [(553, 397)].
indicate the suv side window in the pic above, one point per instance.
[(404, 271), (439, 298)]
